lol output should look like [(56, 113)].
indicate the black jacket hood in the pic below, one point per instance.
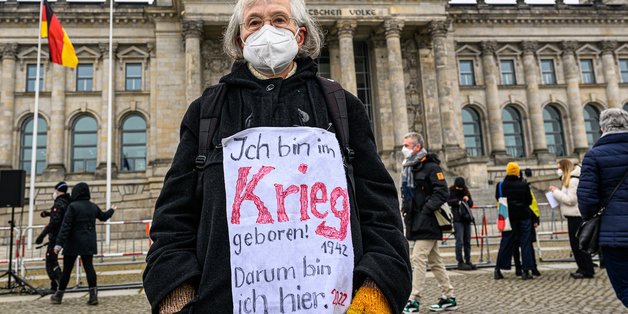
[(432, 157), (80, 192)]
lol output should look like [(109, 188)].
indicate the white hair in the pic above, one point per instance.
[(613, 120), (313, 40)]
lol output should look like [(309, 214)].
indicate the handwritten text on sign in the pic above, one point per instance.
[(289, 221)]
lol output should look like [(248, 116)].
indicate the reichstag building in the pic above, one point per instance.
[(484, 83)]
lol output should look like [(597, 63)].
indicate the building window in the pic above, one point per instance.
[(133, 144), (363, 77), (623, 69), (324, 69), (467, 76), (548, 71), (588, 75), (554, 131), (592, 124), (84, 77), (84, 144), (513, 132), (626, 106), (31, 76), (133, 76), (472, 128), (27, 145), (508, 72)]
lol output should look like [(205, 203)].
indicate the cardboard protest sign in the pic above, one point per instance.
[(289, 221)]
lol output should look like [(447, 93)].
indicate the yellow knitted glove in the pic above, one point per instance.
[(177, 299), (369, 299)]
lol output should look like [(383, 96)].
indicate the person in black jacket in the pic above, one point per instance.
[(459, 193), (188, 265), (56, 213), (519, 199), (78, 237), (424, 190)]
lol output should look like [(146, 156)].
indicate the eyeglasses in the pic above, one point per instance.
[(254, 23)]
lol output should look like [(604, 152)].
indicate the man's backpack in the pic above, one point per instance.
[(211, 108)]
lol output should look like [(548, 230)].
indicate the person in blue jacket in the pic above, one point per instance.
[(603, 169)]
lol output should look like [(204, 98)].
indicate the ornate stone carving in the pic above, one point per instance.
[(423, 41), (346, 27), (331, 40), (192, 29), (438, 28), (151, 50), (488, 47), (393, 27), (529, 47), (9, 51), (608, 46), (104, 49), (378, 40), (569, 47)]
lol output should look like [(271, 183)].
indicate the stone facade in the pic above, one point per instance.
[(404, 58)]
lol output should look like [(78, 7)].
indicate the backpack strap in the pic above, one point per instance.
[(337, 109), (211, 107)]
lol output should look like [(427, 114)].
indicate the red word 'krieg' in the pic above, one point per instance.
[(309, 198)]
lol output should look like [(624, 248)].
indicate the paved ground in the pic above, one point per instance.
[(553, 292)]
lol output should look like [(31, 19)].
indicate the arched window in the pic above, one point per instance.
[(513, 132), (84, 144), (554, 131), (626, 106), (26, 145), (592, 124), (472, 129), (133, 157)]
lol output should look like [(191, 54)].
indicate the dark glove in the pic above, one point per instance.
[(40, 239), (44, 214)]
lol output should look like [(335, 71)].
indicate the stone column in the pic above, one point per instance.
[(610, 74), (438, 31), (383, 114), (531, 72), (434, 134), (7, 105), (491, 79), (347, 61), (56, 139), (395, 75), (334, 58), (102, 143), (192, 31), (572, 78)]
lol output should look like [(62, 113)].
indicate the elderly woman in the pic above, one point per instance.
[(604, 169), (273, 84)]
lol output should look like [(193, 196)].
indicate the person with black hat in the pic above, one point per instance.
[(460, 202), (56, 214)]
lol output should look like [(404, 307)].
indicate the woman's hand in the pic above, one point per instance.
[(552, 188)]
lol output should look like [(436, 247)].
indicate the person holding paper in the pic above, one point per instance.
[(567, 198), (287, 199)]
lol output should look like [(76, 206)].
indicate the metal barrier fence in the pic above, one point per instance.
[(130, 241)]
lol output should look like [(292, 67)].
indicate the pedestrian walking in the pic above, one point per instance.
[(604, 170), (535, 217), (56, 214), (569, 175), (424, 191), (519, 199), (461, 202), (77, 237)]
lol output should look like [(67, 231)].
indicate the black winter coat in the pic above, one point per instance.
[(57, 212), (190, 232), (455, 197), (430, 194), (519, 197), (78, 232)]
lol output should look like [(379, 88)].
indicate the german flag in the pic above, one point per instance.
[(61, 49)]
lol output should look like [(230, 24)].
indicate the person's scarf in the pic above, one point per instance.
[(407, 179)]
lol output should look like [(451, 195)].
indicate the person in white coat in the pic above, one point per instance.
[(568, 202)]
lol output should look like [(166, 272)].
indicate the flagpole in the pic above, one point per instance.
[(31, 195), (109, 121)]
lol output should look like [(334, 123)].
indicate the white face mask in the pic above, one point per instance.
[(54, 195), (271, 50), (406, 152), (559, 173)]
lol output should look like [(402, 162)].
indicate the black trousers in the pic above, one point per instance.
[(52, 266), (583, 260), (88, 266)]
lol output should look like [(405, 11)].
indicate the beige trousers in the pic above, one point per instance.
[(425, 252)]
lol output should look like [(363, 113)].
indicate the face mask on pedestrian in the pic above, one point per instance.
[(271, 50), (54, 195), (559, 173), (407, 152)]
